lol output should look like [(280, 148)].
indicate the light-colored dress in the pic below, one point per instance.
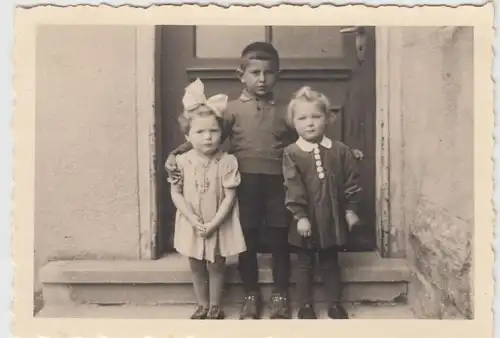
[(202, 185)]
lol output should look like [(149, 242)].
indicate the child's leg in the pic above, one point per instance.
[(330, 268), (200, 281), (278, 243), (216, 280), (306, 260), (247, 262), (277, 234), (250, 201), (277, 219), (249, 274)]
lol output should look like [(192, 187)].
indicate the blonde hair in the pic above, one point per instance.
[(202, 110), (307, 94)]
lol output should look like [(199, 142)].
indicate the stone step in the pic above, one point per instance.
[(367, 277), (183, 311)]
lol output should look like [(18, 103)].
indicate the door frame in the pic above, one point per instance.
[(388, 181)]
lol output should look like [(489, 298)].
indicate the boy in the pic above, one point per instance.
[(255, 126)]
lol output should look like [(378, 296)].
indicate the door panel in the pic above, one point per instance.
[(230, 42), (315, 42), (359, 132), (212, 54)]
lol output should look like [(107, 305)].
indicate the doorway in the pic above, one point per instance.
[(325, 59)]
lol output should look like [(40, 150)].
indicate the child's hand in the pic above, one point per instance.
[(304, 227), (351, 218), (200, 230), (170, 163), (209, 230), (174, 175), (358, 154), (197, 224)]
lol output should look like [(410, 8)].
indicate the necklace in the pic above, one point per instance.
[(201, 178)]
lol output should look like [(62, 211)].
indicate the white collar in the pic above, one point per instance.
[(309, 146)]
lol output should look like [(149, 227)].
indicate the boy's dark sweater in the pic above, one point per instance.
[(256, 133)]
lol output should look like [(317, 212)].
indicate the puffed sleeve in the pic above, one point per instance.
[(352, 188), (295, 192), (230, 174), (178, 185)]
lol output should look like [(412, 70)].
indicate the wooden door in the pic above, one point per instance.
[(321, 57)]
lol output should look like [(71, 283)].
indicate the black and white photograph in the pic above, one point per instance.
[(243, 171)]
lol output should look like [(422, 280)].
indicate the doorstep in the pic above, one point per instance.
[(174, 268), (355, 311), (366, 277)]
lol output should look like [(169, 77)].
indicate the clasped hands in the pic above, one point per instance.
[(204, 230)]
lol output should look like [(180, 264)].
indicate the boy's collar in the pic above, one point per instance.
[(309, 146), (246, 96)]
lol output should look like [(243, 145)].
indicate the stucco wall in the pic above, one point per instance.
[(86, 190), (437, 135)]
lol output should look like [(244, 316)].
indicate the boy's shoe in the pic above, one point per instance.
[(337, 311), (215, 313), (252, 307), (279, 307), (200, 313), (306, 312)]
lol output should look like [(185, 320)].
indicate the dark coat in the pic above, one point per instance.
[(325, 200)]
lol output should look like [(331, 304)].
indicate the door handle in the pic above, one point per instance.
[(360, 40)]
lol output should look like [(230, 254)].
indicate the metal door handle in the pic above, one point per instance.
[(360, 40)]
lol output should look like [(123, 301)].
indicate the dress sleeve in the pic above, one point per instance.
[(178, 185), (352, 188), (295, 192), (230, 174)]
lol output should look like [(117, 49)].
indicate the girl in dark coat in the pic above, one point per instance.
[(322, 193)]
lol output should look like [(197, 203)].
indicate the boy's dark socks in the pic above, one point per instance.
[(306, 312), (252, 307)]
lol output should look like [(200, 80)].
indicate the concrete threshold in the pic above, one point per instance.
[(174, 269), (183, 311)]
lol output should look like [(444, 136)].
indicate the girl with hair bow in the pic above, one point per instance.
[(207, 225)]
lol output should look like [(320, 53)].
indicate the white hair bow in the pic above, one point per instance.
[(195, 97)]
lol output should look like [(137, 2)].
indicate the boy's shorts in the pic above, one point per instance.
[(262, 202)]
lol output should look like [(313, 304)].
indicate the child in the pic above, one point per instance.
[(207, 226), (255, 126), (322, 193)]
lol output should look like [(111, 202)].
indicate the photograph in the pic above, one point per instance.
[(197, 169)]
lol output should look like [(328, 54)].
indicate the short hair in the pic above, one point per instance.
[(260, 51), (307, 94), (186, 118)]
